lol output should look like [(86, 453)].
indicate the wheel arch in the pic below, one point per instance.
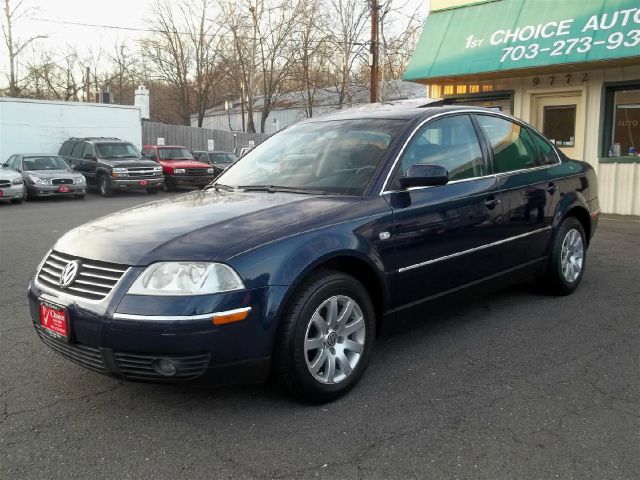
[(351, 263), (575, 206)]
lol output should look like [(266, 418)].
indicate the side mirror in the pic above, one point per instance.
[(423, 175)]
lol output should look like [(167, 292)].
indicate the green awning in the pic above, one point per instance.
[(506, 35)]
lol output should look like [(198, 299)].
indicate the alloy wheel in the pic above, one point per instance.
[(572, 255), (334, 339)]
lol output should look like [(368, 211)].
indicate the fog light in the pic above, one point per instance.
[(165, 367)]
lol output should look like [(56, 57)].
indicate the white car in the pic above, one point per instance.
[(11, 186)]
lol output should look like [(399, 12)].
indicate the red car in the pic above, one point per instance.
[(178, 166)]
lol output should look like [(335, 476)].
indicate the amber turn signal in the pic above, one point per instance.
[(230, 316)]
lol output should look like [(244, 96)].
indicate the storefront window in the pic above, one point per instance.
[(626, 123), (621, 128), (559, 124)]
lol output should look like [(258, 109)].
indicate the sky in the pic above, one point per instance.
[(121, 13)]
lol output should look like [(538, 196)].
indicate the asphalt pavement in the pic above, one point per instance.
[(516, 385)]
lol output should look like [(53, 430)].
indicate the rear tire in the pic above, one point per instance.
[(567, 259), (104, 186), (325, 338)]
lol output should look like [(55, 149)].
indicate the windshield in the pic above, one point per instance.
[(222, 157), (44, 163), (116, 150), (337, 156), (176, 153)]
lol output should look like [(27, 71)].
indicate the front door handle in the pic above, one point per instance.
[(491, 203), (552, 188)]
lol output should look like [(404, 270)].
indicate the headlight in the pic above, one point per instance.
[(119, 170), (17, 181), (38, 180), (186, 278), (157, 169), (209, 170), (178, 170), (77, 180)]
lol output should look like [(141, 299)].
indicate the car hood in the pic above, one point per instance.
[(128, 162), (6, 174), (51, 173), (184, 164), (196, 226)]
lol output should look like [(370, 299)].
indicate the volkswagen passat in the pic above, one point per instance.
[(305, 247)]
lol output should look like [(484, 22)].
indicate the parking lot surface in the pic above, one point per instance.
[(515, 385)]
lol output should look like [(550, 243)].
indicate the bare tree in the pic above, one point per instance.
[(11, 15), (350, 18), (241, 60), (311, 54)]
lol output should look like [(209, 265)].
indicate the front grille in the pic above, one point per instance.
[(62, 181), (196, 171), (142, 172), (140, 367), (5, 184), (94, 281), (84, 355)]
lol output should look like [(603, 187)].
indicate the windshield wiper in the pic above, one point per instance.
[(280, 188), (220, 186)]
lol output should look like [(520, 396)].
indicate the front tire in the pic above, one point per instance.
[(104, 185), (567, 259), (326, 337), (152, 191)]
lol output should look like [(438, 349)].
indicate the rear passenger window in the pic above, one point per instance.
[(545, 150), (66, 148), (451, 142), (512, 145), (77, 149)]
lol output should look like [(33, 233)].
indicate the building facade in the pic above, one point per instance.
[(570, 68)]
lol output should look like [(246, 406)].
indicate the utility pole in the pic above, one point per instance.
[(373, 55)]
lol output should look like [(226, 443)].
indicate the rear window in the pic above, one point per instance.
[(222, 157)]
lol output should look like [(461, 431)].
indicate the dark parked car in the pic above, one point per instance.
[(219, 160), (111, 164), (302, 250), (47, 175)]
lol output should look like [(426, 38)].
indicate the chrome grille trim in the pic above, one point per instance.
[(5, 184), (95, 280)]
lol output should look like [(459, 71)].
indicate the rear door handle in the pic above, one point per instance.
[(491, 203)]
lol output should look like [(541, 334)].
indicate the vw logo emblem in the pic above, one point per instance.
[(68, 274)]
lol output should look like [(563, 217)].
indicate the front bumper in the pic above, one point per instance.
[(191, 180), (138, 183), (12, 192), (127, 338), (54, 190)]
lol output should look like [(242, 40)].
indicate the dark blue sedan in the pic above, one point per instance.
[(292, 262)]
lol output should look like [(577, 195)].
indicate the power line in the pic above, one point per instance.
[(153, 30)]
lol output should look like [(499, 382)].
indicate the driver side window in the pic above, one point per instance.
[(88, 150), (451, 142)]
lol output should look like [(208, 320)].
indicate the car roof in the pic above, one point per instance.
[(37, 154), (165, 146), (401, 110)]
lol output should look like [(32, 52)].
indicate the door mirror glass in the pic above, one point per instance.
[(424, 175)]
